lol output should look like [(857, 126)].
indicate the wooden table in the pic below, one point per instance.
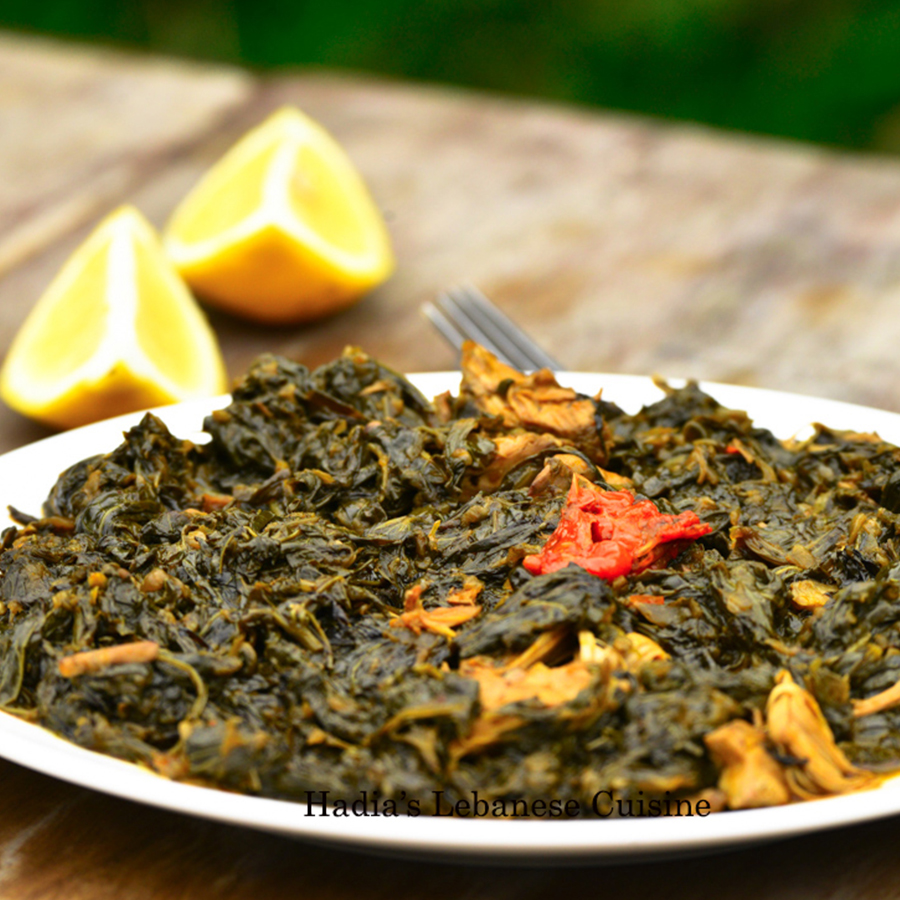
[(626, 245)]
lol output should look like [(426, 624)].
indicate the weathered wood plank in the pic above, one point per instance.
[(626, 245), (59, 841), (79, 125)]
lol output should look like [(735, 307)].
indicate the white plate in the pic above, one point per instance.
[(26, 476)]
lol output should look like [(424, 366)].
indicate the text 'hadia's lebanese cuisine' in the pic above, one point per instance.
[(519, 597)]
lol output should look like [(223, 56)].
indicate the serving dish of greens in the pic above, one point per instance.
[(524, 620)]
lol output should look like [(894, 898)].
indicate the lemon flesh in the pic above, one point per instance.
[(282, 229), (116, 331)]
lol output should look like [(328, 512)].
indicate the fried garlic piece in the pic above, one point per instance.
[(549, 686), (642, 650), (535, 402), (556, 476), (511, 450), (796, 726), (630, 653), (483, 374), (749, 776), (539, 403), (810, 594), (592, 650), (498, 687)]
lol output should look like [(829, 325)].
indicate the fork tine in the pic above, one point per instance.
[(479, 330), (456, 327), (448, 330), (464, 312), (502, 329)]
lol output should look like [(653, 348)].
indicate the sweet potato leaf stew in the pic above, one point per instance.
[(519, 591)]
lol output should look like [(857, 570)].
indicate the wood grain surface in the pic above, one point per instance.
[(60, 841), (625, 245)]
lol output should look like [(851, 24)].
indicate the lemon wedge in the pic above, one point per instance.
[(116, 331), (282, 229)]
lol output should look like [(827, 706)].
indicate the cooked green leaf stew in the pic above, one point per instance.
[(517, 595)]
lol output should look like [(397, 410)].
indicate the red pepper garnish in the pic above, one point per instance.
[(609, 534)]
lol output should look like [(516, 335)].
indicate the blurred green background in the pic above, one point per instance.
[(818, 70)]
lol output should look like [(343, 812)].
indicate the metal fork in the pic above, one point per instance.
[(464, 312)]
